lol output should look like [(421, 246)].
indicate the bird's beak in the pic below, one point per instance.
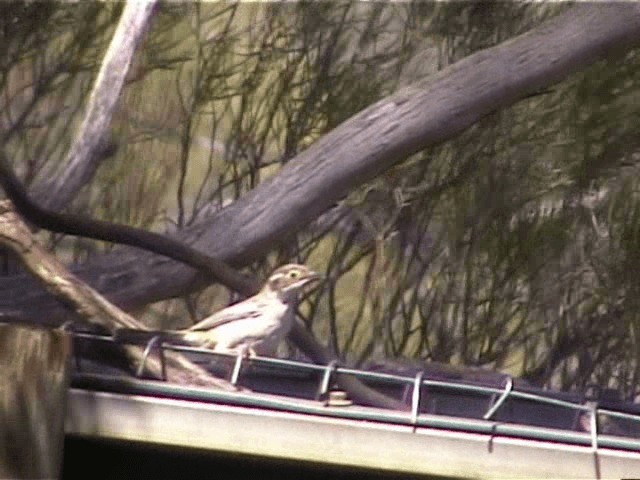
[(315, 276), (311, 280)]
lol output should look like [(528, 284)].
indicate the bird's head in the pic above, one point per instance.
[(287, 281)]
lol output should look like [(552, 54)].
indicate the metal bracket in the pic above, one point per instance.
[(494, 408), (326, 379), (593, 424), (593, 427), (157, 340), (415, 397), (67, 326), (237, 366)]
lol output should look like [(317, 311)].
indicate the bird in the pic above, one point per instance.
[(254, 326)]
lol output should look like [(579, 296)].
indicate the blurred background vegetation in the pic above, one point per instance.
[(514, 247)]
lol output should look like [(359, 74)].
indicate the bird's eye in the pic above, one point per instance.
[(294, 274)]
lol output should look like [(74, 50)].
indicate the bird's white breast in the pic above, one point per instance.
[(262, 333)]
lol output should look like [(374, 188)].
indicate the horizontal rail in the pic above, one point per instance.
[(410, 417), (242, 430)]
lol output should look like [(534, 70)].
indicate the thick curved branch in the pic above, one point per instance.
[(71, 224), (421, 115)]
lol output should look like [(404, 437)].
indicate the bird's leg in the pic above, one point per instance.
[(249, 351)]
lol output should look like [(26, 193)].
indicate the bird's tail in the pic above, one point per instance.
[(143, 337)]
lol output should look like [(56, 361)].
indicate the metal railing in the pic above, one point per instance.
[(413, 416)]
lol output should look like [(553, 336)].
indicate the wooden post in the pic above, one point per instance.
[(34, 377)]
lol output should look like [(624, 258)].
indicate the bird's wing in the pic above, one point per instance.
[(239, 311)]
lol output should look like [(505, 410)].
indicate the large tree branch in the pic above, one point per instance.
[(420, 115), (84, 226)]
